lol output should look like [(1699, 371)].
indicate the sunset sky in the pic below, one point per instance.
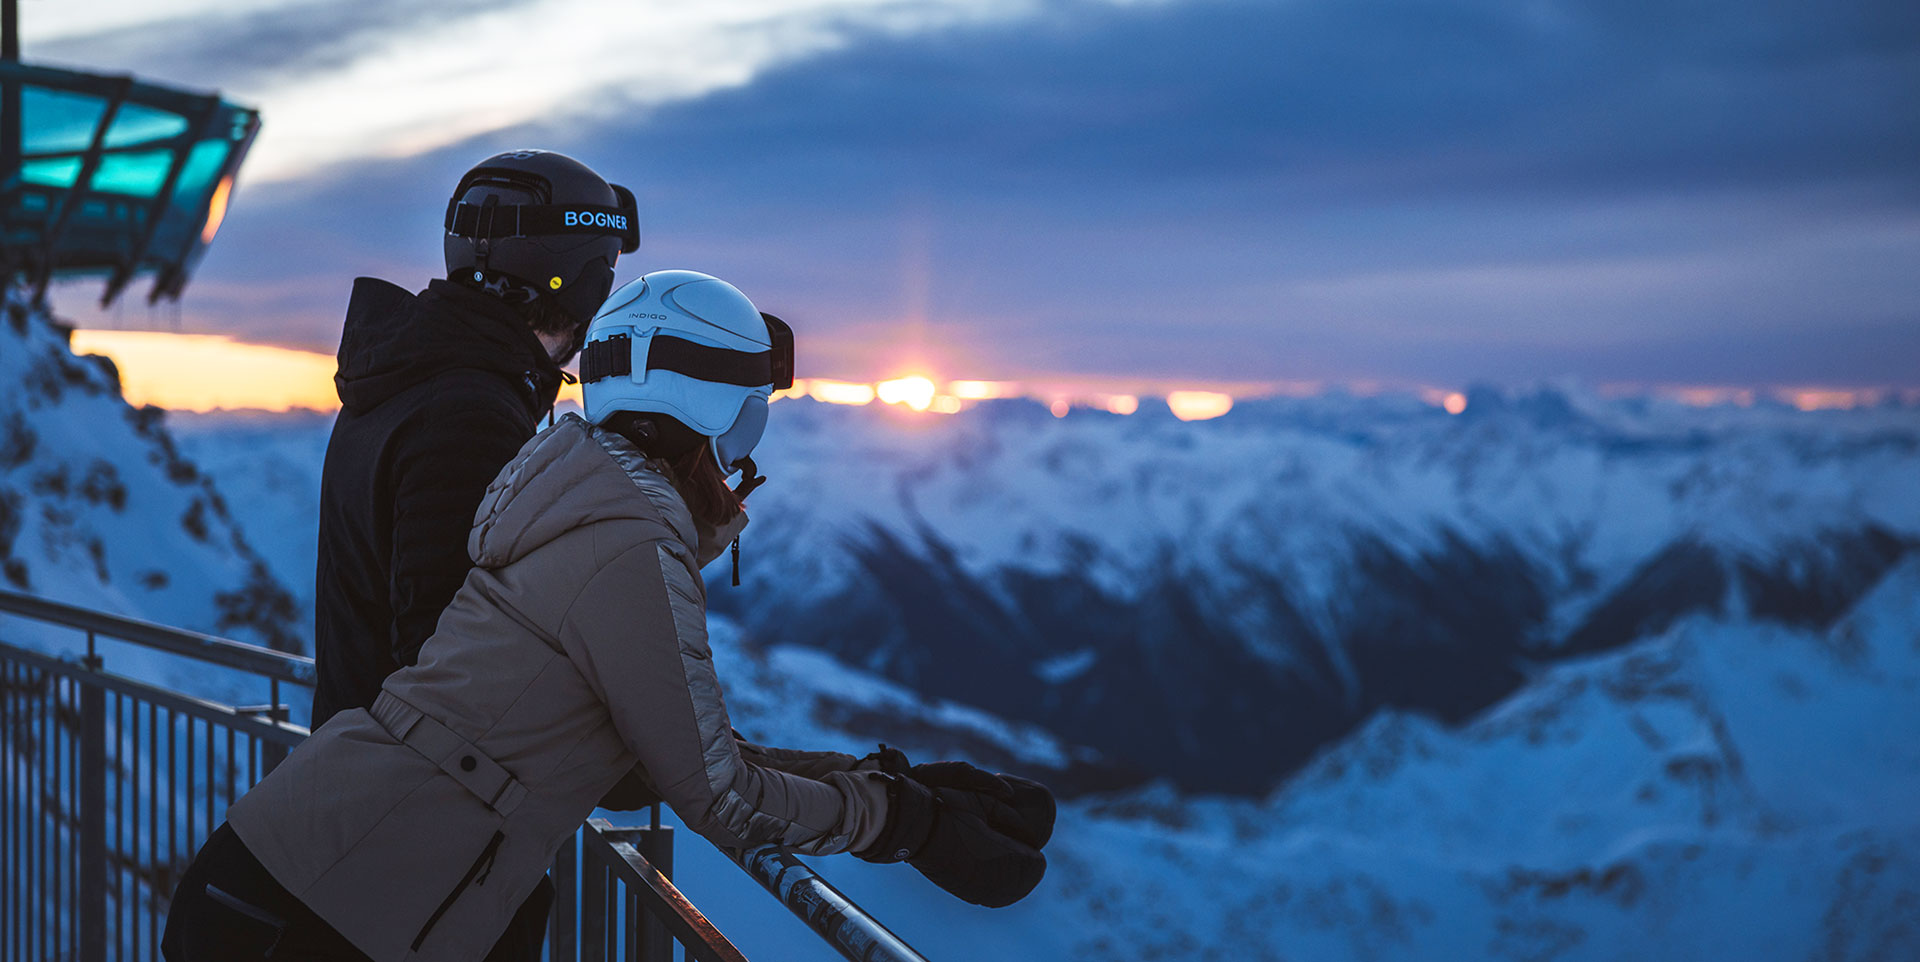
[(1129, 195)]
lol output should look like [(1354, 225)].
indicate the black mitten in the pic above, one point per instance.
[(968, 858), (1023, 811), (1035, 804), (1020, 807), (940, 834)]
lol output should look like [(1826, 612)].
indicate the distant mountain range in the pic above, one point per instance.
[(1219, 601), (1560, 678)]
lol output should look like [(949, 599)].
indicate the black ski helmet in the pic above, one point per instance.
[(527, 224)]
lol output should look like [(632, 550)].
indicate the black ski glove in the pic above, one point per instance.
[(1021, 808), (954, 848), (910, 814)]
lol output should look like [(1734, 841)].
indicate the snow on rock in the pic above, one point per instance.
[(270, 463), (99, 508), (804, 698), (1283, 573), (1728, 789), (1725, 790), (1288, 570), (1687, 638)]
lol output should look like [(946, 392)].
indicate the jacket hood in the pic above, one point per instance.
[(574, 474), (394, 339)]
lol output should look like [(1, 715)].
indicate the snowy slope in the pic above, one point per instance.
[(1725, 790), (1218, 600), (271, 464), (1680, 648), (99, 508)]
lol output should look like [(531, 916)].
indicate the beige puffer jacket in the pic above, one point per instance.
[(575, 652)]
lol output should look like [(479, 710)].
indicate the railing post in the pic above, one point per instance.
[(93, 816), (562, 926), (593, 906), (273, 753), (656, 843)]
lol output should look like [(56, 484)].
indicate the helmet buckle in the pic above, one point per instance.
[(483, 232)]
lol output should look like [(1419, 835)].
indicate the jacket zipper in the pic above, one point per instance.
[(476, 875)]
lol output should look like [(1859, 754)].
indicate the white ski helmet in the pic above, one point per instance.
[(690, 346)]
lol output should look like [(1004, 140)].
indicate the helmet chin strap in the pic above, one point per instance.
[(750, 478)]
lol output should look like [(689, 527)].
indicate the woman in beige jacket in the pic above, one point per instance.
[(576, 654)]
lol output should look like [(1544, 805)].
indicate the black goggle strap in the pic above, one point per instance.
[(781, 337), (486, 221), (613, 357)]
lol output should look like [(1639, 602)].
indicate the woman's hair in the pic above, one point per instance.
[(689, 461)]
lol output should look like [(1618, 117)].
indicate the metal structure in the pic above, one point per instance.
[(107, 175), (109, 783), (831, 915)]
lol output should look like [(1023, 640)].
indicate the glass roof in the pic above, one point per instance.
[(112, 176)]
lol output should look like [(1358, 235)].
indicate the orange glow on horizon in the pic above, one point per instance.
[(1199, 405), (914, 392), (1706, 397), (839, 392), (208, 372), (1825, 400), (983, 390)]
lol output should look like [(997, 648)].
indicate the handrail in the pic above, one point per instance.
[(283, 733), (702, 939), (277, 665), (831, 915), (838, 920)]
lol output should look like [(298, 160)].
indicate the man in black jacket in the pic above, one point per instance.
[(438, 391)]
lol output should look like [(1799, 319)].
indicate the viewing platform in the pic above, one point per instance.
[(109, 783)]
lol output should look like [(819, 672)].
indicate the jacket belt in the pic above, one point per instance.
[(456, 756)]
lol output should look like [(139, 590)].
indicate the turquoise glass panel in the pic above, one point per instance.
[(57, 120), (56, 172), (186, 212), (137, 124), (203, 165), (137, 175)]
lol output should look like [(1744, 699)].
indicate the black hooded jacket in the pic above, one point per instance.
[(438, 391)]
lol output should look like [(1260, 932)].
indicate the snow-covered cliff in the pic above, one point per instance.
[(99, 508)]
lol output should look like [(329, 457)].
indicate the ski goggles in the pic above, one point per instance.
[(613, 357), (487, 221)]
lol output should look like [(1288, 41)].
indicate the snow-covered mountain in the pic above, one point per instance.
[(1218, 601), (1729, 788), (1336, 678), (98, 506)]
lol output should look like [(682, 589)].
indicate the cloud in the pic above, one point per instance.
[(361, 81), (1242, 190), (244, 46), (1347, 99)]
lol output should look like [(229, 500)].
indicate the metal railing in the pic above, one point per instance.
[(831, 915), (109, 784)]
